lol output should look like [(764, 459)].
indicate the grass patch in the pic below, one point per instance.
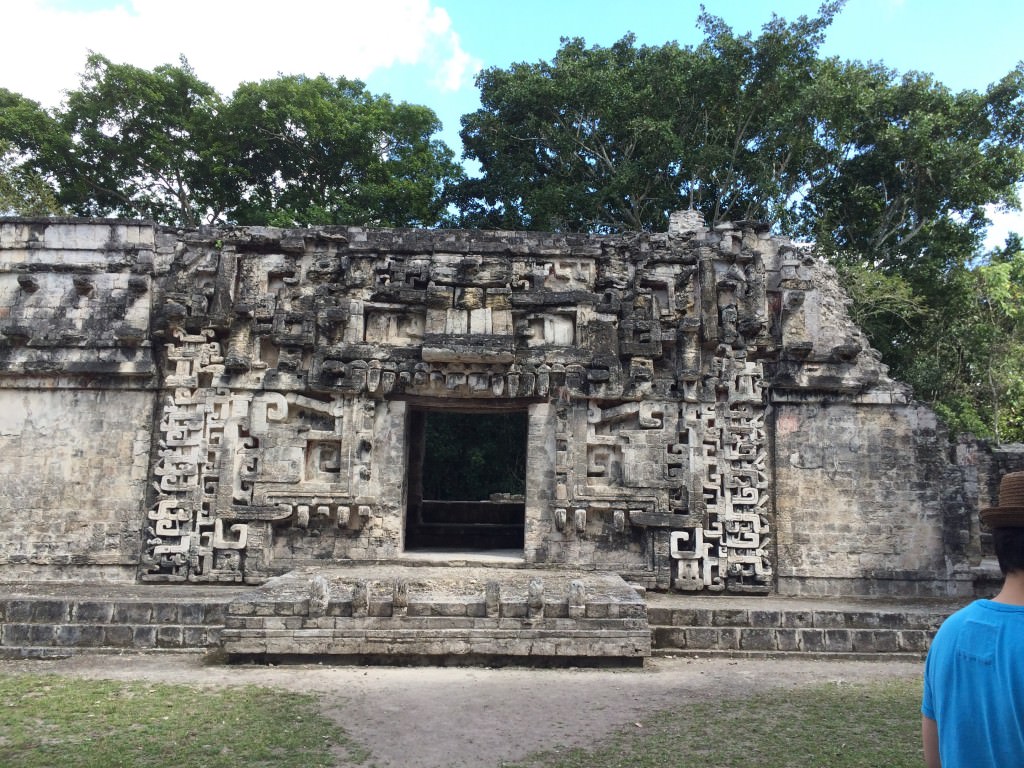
[(49, 720), (833, 725)]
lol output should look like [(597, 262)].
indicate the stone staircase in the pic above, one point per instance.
[(441, 615), (54, 619)]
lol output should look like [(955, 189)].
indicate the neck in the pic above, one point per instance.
[(1012, 592)]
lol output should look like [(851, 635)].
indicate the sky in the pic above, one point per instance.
[(428, 51)]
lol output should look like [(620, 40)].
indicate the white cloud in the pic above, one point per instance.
[(453, 67), (228, 41), (1003, 223)]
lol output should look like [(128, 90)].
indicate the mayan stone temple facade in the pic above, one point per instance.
[(697, 413)]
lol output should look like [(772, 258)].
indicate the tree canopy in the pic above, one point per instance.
[(164, 145)]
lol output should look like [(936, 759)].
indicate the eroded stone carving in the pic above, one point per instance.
[(282, 352), (257, 391)]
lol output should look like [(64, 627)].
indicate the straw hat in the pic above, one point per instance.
[(1010, 512)]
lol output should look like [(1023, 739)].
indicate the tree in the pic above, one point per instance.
[(23, 192), (608, 139), (135, 143), (866, 162), (1000, 353), (164, 145), (320, 151), (905, 170), (24, 125)]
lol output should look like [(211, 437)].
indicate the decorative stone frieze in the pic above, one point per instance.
[(283, 378)]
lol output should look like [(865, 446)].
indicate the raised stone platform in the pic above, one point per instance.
[(59, 619), (40, 620), (441, 615), (847, 627)]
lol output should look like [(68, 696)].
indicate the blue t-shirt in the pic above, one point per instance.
[(974, 686)]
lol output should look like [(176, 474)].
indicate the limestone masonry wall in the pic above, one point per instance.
[(75, 468), (231, 404), (859, 492)]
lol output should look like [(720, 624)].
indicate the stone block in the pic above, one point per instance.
[(144, 636), (812, 640), (243, 646), (68, 635), (42, 634), (668, 637), (14, 635), (448, 609), (659, 616), (169, 637), (165, 613), (195, 637), (692, 617), (829, 620), (51, 611), (758, 639), (730, 618), (118, 636), (191, 613), (132, 613), (91, 635), (838, 640), (875, 641), (88, 612), (758, 618), (242, 607), (914, 640), (702, 638), (214, 613), (788, 639), (514, 609), (19, 610), (797, 619)]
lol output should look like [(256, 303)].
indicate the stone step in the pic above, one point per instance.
[(468, 615), (46, 621), (773, 625)]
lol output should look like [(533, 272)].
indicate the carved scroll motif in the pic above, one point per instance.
[(728, 458), (185, 541)]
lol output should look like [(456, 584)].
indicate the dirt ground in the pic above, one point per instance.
[(431, 717)]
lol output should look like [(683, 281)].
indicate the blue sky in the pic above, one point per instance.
[(427, 51), (964, 45)]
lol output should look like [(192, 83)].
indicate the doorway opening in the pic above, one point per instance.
[(467, 480)]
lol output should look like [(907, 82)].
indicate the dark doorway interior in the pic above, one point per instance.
[(467, 479)]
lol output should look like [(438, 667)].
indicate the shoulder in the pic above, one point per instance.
[(955, 621), (969, 611)]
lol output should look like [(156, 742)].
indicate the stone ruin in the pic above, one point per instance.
[(696, 413)]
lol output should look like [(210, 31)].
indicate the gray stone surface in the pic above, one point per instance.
[(227, 405), (440, 613)]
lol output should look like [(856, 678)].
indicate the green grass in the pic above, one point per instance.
[(50, 721), (826, 726)]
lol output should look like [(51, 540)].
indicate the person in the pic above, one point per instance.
[(972, 710)]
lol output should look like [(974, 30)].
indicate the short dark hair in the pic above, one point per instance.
[(1009, 546)]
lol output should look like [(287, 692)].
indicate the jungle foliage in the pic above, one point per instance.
[(470, 456), (294, 150)]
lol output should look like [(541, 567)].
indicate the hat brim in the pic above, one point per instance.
[(1003, 517)]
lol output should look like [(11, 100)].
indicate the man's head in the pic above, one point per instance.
[(1007, 523), (1009, 545)]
